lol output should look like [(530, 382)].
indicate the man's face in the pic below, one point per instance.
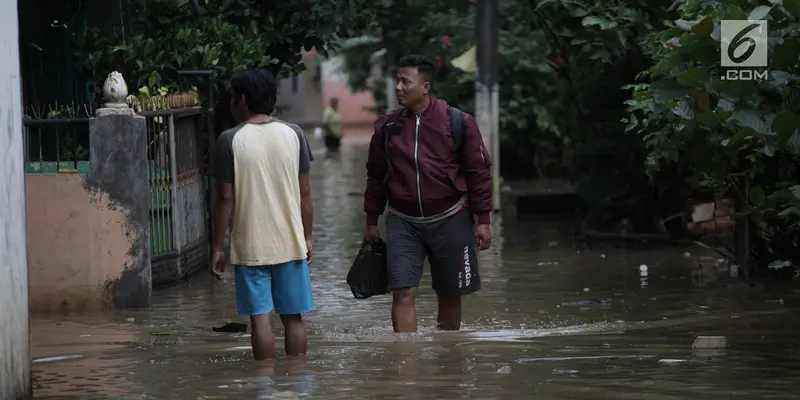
[(411, 87), (238, 108), (335, 104)]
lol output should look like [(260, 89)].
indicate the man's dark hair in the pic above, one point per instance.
[(423, 65), (258, 88)]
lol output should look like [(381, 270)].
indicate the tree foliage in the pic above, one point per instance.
[(690, 116), (163, 37), (563, 65)]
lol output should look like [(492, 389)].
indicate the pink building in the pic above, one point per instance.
[(303, 97)]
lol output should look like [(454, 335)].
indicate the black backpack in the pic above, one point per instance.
[(456, 131)]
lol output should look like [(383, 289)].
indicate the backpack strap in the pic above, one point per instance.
[(456, 131), (394, 119), (457, 128)]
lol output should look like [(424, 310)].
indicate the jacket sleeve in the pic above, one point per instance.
[(374, 195), (477, 169)]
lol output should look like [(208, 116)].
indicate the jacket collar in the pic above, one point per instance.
[(428, 110)]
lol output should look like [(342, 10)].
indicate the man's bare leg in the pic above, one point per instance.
[(261, 337), (296, 337), (449, 316), (404, 313)]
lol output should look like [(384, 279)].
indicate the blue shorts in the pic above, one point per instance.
[(285, 287)]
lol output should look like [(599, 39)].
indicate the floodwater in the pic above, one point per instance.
[(517, 341)]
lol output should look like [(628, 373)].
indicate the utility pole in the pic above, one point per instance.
[(15, 359), (486, 89)]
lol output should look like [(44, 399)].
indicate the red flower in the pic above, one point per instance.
[(559, 62), (439, 62), (446, 40)]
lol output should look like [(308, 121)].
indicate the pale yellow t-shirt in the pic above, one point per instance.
[(333, 120), (264, 161)]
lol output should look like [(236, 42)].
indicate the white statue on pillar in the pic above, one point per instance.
[(115, 91)]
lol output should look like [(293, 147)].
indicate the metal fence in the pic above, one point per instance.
[(178, 192), (177, 153), (53, 146)]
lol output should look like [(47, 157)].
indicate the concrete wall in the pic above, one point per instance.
[(353, 106), (302, 95), (77, 245), (307, 95), (88, 233), (15, 362)]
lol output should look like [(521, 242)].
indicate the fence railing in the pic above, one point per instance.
[(178, 209), (55, 146), (176, 155)]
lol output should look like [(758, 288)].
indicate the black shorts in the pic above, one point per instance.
[(332, 142), (450, 246)]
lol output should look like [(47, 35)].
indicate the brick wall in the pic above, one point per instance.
[(715, 218)]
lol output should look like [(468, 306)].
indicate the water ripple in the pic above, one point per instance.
[(518, 340)]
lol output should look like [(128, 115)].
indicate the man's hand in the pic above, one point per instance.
[(217, 267), (308, 254), (483, 237), (371, 232)]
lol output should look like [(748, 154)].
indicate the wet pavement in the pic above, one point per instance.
[(518, 340)]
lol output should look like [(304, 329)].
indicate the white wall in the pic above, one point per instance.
[(15, 362), (302, 95)]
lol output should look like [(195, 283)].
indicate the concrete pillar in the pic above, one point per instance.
[(118, 176), (15, 361), (486, 90)]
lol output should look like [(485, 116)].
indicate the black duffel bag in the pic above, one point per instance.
[(368, 276)]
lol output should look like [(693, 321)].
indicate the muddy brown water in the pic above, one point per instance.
[(518, 341)]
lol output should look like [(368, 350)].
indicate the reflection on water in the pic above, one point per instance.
[(525, 334)]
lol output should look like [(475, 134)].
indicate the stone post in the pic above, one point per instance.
[(487, 103), (15, 361), (118, 177)]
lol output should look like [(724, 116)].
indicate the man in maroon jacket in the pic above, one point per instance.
[(434, 181)]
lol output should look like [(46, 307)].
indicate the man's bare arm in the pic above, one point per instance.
[(222, 214), (306, 206)]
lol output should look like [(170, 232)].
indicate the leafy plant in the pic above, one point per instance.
[(226, 36), (689, 115)]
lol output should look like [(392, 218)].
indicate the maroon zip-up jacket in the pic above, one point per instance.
[(428, 176)]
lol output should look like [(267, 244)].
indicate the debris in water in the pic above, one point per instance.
[(564, 371), (586, 289), (130, 320), (586, 302), (505, 369), (231, 327), (602, 256), (543, 263), (779, 264), (552, 245), (288, 394), (687, 255), (779, 301), (56, 358), (535, 359), (671, 361), (710, 342), (643, 268)]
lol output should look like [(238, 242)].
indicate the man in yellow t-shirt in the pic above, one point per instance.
[(262, 169), (332, 124)]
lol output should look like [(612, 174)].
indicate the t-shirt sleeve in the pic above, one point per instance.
[(305, 151), (222, 164)]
